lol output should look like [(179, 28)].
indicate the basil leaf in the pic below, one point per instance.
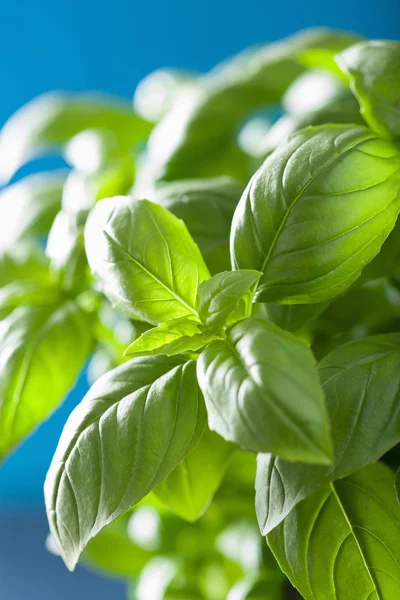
[(296, 318), (51, 120), (262, 392), (66, 250), (24, 261), (343, 177), (372, 308), (147, 263), (387, 262), (82, 191), (28, 208), (360, 516), (189, 489), (131, 430), (374, 71), (344, 110), (26, 278), (197, 136), (322, 52), (25, 292), (219, 296), (361, 381), (42, 350), (172, 337), (206, 206)]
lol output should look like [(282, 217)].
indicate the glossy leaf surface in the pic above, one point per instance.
[(145, 259), (262, 391), (131, 430), (374, 71), (360, 516), (42, 350), (317, 212), (361, 381), (172, 337), (220, 295)]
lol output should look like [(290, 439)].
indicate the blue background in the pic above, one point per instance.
[(110, 46)]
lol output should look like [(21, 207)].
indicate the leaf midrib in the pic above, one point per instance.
[(303, 189), (353, 534), (151, 275), (276, 408)]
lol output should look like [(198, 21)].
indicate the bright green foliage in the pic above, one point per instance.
[(24, 262), (397, 485), (250, 381), (343, 177), (361, 381), (206, 206), (220, 295), (133, 427), (42, 350), (374, 71), (360, 516), (201, 125), (172, 337), (159, 265), (251, 267), (28, 208)]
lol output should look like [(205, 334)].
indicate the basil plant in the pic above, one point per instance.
[(232, 281)]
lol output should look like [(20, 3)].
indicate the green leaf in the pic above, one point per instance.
[(28, 208), (25, 292), (322, 53), (296, 318), (262, 392), (387, 262), (172, 337), (361, 381), (197, 136), (114, 553), (317, 212), (360, 516), (82, 191), (374, 71), (26, 278), (131, 430), (145, 259), (66, 250), (372, 308), (220, 295), (206, 206), (24, 261), (397, 485), (343, 110), (42, 350), (189, 489), (51, 120)]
